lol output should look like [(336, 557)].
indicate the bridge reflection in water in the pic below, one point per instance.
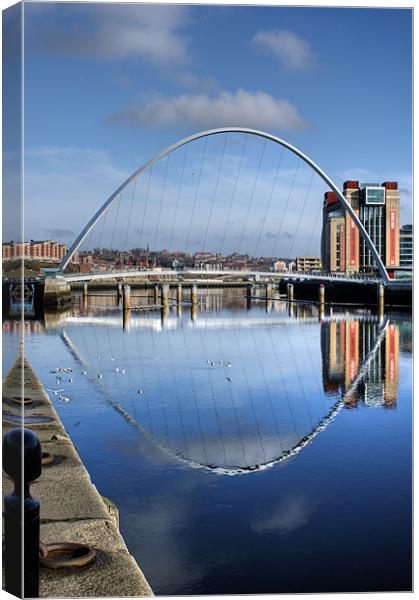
[(233, 391)]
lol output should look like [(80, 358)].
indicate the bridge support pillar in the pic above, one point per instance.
[(269, 291), (164, 314), (194, 295), (85, 291), (126, 298), (249, 292), (56, 292), (321, 301), (156, 294), (179, 293), (194, 311), (119, 291), (380, 301), (290, 292), (126, 320), (165, 295)]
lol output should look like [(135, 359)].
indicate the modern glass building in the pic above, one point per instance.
[(406, 246), (378, 208)]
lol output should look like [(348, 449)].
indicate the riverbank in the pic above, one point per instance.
[(72, 509)]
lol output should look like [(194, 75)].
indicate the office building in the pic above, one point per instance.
[(378, 207), (307, 263), (406, 246)]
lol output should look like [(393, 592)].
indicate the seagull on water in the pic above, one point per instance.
[(100, 376), (55, 392), (140, 391), (228, 379)]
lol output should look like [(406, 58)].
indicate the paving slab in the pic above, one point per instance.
[(72, 509)]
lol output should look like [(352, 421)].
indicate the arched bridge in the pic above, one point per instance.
[(206, 189)]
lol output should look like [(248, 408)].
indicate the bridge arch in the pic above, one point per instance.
[(196, 136)]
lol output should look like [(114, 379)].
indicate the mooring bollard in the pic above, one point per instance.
[(165, 294), (380, 300), (179, 293), (21, 448), (126, 298), (290, 292)]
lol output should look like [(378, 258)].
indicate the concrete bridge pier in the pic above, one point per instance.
[(269, 291), (179, 310), (194, 295), (165, 295), (164, 314), (380, 301), (290, 292), (291, 309), (85, 292), (179, 293), (156, 293), (56, 292), (249, 293), (119, 291), (194, 311), (126, 297), (126, 308), (126, 320), (321, 301)]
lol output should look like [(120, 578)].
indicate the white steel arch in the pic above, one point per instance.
[(196, 136)]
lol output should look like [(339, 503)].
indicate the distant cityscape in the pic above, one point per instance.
[(342, 248)]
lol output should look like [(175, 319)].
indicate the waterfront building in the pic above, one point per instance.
[(279, 265), (43, 251), (345, 345), (406, 246), (378, 207), (308, 263)]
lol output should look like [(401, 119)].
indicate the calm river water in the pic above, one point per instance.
[(249, 449)]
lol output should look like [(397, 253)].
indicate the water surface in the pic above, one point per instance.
[(249, 449)]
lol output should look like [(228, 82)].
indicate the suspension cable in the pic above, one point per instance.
[(301, 214), (234, 192), (215, 191), (276, 240), (145, 204), (161, 202), (268, 206), (129, 216), (252, 194), (178, 195), (196, 193)]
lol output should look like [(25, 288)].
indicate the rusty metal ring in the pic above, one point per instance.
[(43, 551), (20, 400), (72, 555), (47, 459)]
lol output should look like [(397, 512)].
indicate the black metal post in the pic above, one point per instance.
[(22, 458)]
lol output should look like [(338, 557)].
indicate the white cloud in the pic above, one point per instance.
[(292, 51), (150, 32), (293, 513), (242, 108)]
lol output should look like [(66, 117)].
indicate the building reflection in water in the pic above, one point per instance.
[(345, 346)]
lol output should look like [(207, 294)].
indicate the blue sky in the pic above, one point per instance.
[(108, 86)]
